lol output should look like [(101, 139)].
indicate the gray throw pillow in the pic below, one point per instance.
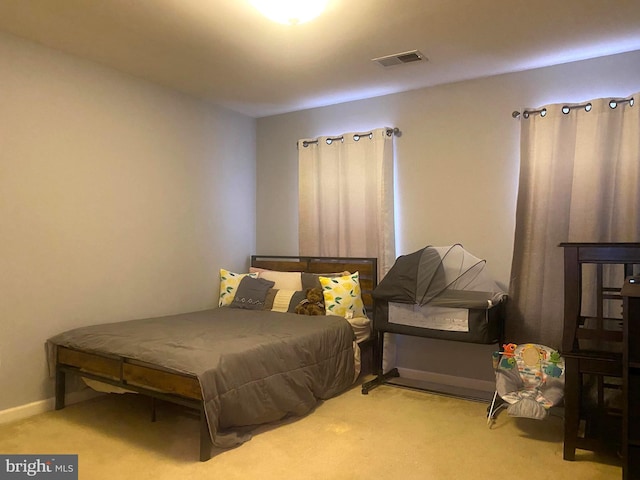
[(251, 293)]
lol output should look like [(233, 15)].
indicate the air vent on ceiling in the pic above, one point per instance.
[(400, 58)]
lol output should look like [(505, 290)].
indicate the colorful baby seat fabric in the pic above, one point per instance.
[(530, 377)]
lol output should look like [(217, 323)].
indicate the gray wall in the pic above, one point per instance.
[(118, 199), (457, 171)]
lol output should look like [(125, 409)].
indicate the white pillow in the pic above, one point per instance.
[(283, 280)]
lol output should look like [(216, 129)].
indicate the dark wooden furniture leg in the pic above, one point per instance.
[(572, 375), (572, 407), (153, 409), (205, 439), (60, 388)]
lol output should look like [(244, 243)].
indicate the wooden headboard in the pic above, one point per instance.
[(366, 267)]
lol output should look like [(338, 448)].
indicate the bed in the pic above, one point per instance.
[(237, 367)]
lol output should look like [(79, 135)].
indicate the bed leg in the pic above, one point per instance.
[(205, 438), (379, 380), (153, 409), (60, 388)]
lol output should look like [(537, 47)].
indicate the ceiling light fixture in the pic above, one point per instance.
[(290, 12)]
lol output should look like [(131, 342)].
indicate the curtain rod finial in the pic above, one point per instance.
[(515, 114)]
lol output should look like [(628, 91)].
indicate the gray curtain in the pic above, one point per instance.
[(579, 182)]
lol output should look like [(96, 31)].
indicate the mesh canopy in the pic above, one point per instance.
[(440, 276)]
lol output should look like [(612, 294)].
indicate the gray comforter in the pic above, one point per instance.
[(254, 367)]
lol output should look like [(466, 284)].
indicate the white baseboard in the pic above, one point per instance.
[(449, 380), (41, 406)]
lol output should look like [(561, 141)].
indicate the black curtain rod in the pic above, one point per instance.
[(566, 109), (356, 136)]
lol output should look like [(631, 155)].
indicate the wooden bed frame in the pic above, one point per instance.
[(159, 383)]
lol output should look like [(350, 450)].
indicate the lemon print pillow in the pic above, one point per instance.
[(342, 295)]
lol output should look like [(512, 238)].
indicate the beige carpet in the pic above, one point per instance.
[(392, 433)]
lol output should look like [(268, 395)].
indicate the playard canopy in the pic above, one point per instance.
[(446, 291)]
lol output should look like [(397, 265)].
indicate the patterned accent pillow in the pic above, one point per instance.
[(251, 293), (229, 282), (342, 295)]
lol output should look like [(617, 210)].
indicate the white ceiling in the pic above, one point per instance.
[(226, 52)]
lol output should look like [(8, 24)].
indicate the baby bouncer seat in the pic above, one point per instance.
[(529, 381)]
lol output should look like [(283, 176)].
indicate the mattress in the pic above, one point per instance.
[(361, 328)]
